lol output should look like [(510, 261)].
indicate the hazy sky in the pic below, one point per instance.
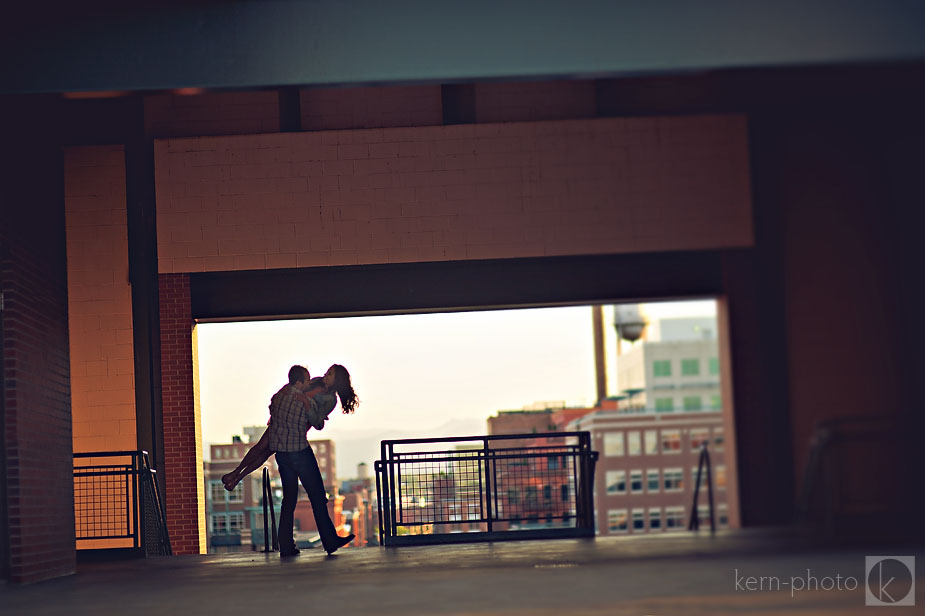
[(414, 374)]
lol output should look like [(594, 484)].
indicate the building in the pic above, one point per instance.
[(650, 437), (533, 492), (679, 371), (522, 422), (645, 475), (235, 520)]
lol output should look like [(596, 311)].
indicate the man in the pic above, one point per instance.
[(290, 420)]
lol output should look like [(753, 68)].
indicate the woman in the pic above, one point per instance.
[(321, 395)]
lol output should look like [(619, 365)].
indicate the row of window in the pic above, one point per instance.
[(688, 403), (653, 442), (689, 367), (222, 523), (531, 495), (620, 520), (671, 480), (231, 452)]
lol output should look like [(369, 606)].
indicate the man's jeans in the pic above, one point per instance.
[(293, 467)]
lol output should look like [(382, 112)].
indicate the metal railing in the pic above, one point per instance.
[(703, 463), (488, 488), (117, 503), (269, 529)]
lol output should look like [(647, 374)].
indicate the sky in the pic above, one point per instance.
[(415, 375)]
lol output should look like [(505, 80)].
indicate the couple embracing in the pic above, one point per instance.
[(301, 404)]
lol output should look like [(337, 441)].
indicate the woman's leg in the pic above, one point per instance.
[(253, 459)]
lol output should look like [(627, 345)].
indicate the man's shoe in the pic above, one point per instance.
[(341, 542), (288, 552)]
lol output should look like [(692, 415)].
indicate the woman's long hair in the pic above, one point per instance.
[(348, 397)]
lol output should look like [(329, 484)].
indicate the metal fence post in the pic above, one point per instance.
[(266, 518)]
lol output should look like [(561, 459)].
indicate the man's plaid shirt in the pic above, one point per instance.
[(290, 418), (289, 421)]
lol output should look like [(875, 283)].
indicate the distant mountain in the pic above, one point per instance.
[(364, 445)]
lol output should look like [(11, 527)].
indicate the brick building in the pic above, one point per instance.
[(646, 472), (235, 519)]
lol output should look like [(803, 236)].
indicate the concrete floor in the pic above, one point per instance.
[(682, 573)]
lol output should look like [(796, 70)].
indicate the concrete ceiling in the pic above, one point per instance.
[(267, 43)]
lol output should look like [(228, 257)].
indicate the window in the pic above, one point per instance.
[(674, 479), (671, 441), (661, 367), (692, 403), (565, 493), (703, 477), (237, 495), (219, 524), (547, 493), (636, 482), (717, 401), (633, 444), (651, 442), (552, 462), (714, 365), (699, 438), (703, 515), (652, 479), (235, 522), (719, 476), (613, 444), (690, 367), (639, 520), (217, 491), (717, 439), (674, 518), (616, 520), (655, 518), (616, 482), (722, 515), (664, 404)]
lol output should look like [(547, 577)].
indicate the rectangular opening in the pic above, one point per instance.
[(467, 374)]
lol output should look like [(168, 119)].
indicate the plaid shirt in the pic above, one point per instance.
[(290, 418)]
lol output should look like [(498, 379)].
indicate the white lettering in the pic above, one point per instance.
[(793, 585)]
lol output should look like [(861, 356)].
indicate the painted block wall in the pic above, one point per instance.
[(99, 300), (444, 193)]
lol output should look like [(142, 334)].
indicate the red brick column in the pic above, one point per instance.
[(36, 400), (182, 429)]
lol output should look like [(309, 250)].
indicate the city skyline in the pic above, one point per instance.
[(447, 372)]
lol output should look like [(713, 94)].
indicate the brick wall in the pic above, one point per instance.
[(183, 478), (99, 300), (212, 113), (445, 193), (38, 479), (380, 107)]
